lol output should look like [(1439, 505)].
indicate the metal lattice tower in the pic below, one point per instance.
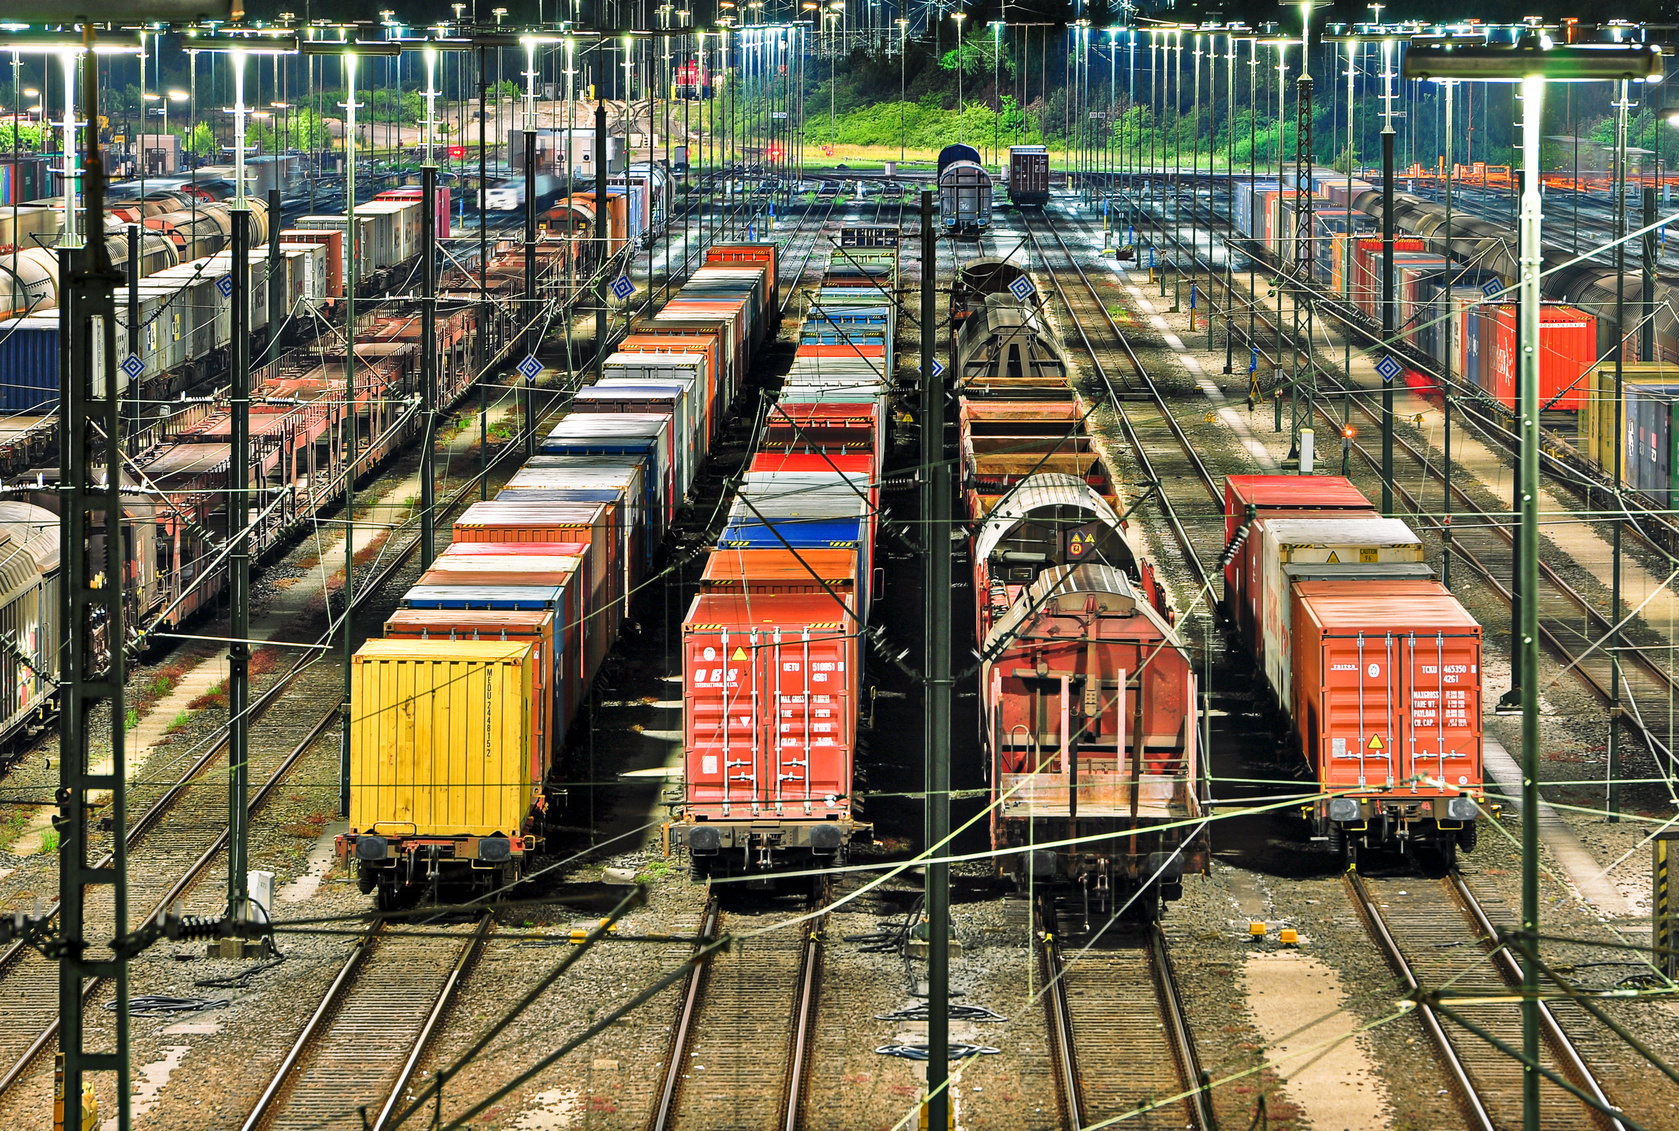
[(90, 607)]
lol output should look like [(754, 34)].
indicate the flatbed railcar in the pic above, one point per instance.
[(1372, 664)]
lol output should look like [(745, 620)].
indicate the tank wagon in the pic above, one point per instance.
[(964, 191), (521, 609)]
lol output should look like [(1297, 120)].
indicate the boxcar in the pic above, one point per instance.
[(1029, 175), (964, 191)]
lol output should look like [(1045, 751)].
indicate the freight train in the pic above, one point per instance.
[(1448, 316), (1374, 665), (175, 512), (1089, 716), (772, 645), (459, 713), (964, 191)]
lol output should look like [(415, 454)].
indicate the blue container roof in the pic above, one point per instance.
[(828, 532)]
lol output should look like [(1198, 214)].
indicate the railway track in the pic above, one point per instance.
[(1156, 440), (1118, 1002), (740, 1048), (174, 842), (358, 1050), (1570, 622), (1438, 938)]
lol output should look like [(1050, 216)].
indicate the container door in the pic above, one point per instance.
[(1443, 731), (722, 709), (1362, 712)]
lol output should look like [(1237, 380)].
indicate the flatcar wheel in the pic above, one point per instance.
[(1469, 836), (389, 897)]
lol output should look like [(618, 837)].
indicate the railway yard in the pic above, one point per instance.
[(657, 589)]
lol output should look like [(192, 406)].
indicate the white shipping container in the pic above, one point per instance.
[(1360, 544)]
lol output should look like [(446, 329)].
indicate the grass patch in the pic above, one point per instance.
[(49, 841), (180, 722), (215, 697)]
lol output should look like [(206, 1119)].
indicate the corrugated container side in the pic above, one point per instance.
[(441, 738)]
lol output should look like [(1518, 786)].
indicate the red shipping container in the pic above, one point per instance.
[(841, 349), (1367, 271), (801, 462), (1274, 496), (504, 624), (1567, 349), (781, 571), (334, 240), (1387, 688), (770, 702)]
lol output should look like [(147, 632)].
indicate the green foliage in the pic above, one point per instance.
[(408, 106), (28, 136), (300, 129), (921, 126), (979, 54), (200, 142), (507, 89), (49, 841)]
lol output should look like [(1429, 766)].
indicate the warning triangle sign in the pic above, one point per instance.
[(1334, 558), (740, 653), (1376, 742)]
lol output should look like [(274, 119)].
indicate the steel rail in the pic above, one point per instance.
[(358, 953), (684, 1027), (804, 1026), (1468, 1096), (469, 955), (1510, 969), (1063, 1038), (1142, 457), (1183, 1041), (1062, 1048)]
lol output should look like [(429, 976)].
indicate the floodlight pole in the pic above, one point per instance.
[(936, 720), (352, 259), (428, 322), (1303, 228), (1531, 62), (1387, 273), (1613, 800), (91, 595), (1533, 101)]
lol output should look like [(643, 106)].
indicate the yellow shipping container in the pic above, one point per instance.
[(1599, 426), (441, 741)]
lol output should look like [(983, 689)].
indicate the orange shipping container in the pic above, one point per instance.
[(1387, 688), (781, 571)]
